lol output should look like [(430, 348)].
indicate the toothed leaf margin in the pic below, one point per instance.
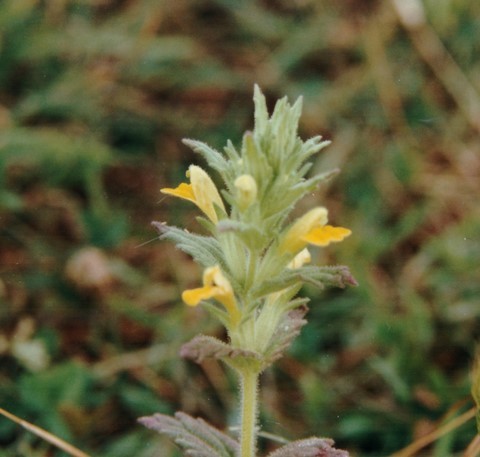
[(195, 436), (286, 332), (310, 447)]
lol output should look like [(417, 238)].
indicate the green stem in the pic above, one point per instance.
[(249, 405)]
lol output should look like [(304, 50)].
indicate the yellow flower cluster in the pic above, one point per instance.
[(311, 228)]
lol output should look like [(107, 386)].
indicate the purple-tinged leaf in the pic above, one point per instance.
[(321, 277), (286, 332), (310, 447), (202, 347), (332, 276), (195, 436)]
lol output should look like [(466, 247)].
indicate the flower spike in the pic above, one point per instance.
[(255, 264)]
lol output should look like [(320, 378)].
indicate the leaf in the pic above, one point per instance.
[(310, 447), (205, 250), (321, 277), (202, 347), (195, 436), (331, 276), (286, 332), (212, 156)]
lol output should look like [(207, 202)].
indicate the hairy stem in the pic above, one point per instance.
[(249, 405)]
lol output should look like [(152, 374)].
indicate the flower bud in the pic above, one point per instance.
[(246, 191)]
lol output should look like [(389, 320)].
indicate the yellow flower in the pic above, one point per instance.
[(201, 191), (217, 286), (300, 259), (311, 228)]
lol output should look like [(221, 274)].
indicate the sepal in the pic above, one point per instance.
[(195, 436), (310, 447)]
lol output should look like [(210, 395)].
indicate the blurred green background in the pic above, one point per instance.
[(95, 97)]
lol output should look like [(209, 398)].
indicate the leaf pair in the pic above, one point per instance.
[(199, 439), (202, 346)]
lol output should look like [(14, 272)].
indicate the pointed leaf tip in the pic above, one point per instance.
[(161, 227)]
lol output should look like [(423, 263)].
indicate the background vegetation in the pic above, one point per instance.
[(95, 96)]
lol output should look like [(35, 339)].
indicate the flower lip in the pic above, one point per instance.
[(217, 286), (323, 236), (201, 191), (311, 228), (183, 190)]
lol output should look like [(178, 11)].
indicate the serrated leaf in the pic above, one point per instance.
[(321, 277), (212, 156), (204, 249), (195, 436), (331, 276), (286, 332), (310, 447), (202, 347)]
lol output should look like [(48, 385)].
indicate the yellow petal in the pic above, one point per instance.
[(201, 191), (214, 276), (209, 275), (228, 300), (293, 241), (300, 259), (184, 191), (205, 192), (323, 236), (217, 286), (192, 297)]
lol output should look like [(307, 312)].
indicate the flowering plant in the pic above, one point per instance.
[(255, 262)]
